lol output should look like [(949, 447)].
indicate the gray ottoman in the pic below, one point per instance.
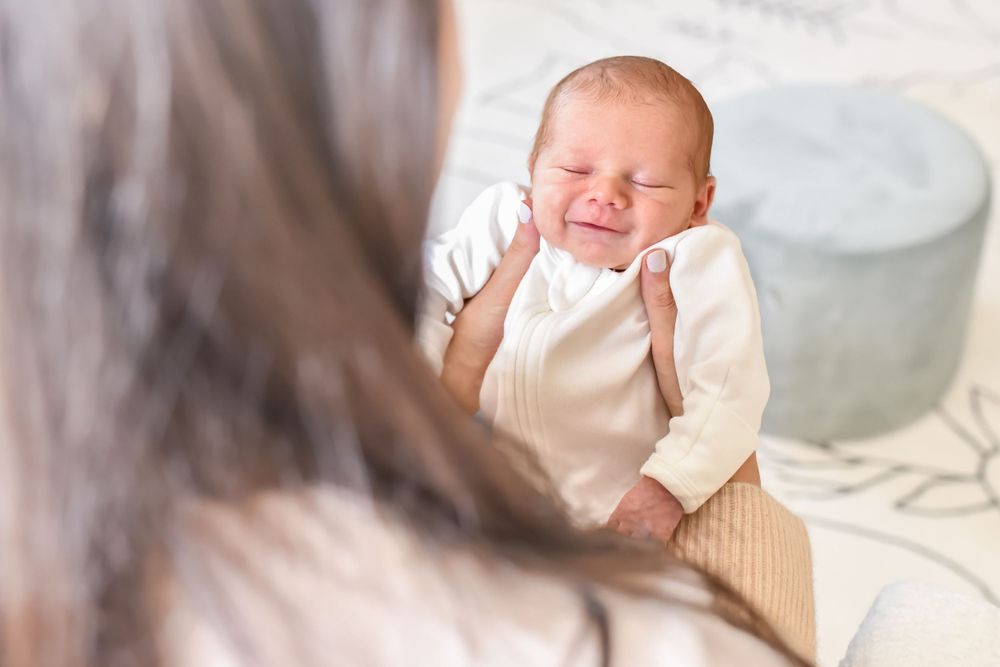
[(862, 216)]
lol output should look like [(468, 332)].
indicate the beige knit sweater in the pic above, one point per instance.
[(756, 545)]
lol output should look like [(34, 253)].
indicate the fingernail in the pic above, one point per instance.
[(523, 213), (656, 261)]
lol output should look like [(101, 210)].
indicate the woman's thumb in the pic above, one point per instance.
[(655, 280), (526, 238)]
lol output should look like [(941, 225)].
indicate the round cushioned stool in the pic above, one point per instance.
[(862, 216)]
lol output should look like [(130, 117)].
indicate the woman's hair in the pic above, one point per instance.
[(210, 219)]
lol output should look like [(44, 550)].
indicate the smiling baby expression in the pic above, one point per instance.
[(615, 177)]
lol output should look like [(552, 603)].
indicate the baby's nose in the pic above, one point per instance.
[(607, 191)]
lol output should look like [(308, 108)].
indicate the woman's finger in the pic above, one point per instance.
[(480, 323), (499, 289), (478, 328), (662, 312)]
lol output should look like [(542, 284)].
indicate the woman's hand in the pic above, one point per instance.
[(662, 312), (478, 329), (661, 309), (648, 509)]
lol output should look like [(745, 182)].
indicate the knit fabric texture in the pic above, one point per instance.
[(756, 545)]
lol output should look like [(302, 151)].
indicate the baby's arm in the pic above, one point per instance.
[(458, 263), (720, 362)]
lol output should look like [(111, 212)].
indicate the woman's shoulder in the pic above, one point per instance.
[(330, 572)]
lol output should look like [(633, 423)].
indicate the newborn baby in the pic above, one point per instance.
[(620, 165)]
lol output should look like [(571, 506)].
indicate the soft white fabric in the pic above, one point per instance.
[(328, 580), (574, 376), (917, 624)]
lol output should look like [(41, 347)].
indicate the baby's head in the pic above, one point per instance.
[(621, 160)]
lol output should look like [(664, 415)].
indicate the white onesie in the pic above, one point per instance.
[(574, 375)]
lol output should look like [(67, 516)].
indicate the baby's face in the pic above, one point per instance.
[(614, 179)]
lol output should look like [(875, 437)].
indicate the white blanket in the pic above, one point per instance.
[(916, 624)]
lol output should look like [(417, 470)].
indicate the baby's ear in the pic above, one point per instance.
[(703, 202)]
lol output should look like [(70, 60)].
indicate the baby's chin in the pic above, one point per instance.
[(600, 258)]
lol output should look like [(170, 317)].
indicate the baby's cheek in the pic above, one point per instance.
[(546, 213), (547, 222), (658, 226)]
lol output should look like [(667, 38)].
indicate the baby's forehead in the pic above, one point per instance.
[(679, 118)]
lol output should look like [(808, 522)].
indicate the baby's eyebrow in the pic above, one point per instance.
[(570, 153)]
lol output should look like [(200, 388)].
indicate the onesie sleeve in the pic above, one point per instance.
[(719, 354), (458, 263)]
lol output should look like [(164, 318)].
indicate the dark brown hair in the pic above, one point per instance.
[(210, 215), (633, 80)]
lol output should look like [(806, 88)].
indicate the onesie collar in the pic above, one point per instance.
[(569, 280)]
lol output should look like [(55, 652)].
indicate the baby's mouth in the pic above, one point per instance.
[(594, 226)]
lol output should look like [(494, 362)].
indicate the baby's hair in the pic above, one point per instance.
[(633, 80)]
